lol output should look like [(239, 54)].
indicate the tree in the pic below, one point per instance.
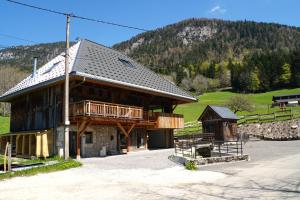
[(253, 82), (200, 84), (240, 103), (285, 74), (186, 84)]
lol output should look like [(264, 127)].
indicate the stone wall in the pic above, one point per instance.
[(103, 136), (281, 130)]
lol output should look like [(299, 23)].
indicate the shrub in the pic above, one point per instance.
[(191, 165)]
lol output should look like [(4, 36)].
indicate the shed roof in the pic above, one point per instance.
[(95, 61), (222, 112)]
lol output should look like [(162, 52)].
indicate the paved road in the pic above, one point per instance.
[(273, 173)]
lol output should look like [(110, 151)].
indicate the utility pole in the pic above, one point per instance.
[(66, 106)]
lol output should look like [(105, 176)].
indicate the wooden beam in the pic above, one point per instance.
[(130, 129), (82, 125), (122, 129)]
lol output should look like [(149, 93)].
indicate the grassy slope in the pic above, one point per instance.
[(261, 101), (4, 125)]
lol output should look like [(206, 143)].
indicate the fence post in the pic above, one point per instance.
[(9, 157), (237, 149), (241, 147), (5, 152)]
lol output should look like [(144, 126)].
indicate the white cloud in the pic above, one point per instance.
[(217, 10)]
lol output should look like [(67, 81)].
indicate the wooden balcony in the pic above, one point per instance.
[(168, 120), (106, 110), (112, 113)]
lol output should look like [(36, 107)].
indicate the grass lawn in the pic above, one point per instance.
[(61, 165), (261, 101), (4, 125)]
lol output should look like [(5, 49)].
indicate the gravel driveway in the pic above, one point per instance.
[(273, 173)]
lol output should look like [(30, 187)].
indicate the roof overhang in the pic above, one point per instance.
[(120, 84), (91, 78), (9, 97)]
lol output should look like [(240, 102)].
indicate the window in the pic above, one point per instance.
[(126, 63), (88, 137)]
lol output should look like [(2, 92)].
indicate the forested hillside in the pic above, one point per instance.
[(197, 54), (202, 54), (16, 64)]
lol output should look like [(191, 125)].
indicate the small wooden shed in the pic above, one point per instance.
[(221, 121)]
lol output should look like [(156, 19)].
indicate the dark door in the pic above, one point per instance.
[(72, 143)]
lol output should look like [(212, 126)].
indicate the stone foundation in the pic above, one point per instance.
[(281, 130), (209, 160)]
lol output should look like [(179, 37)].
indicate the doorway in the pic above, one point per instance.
[(72, 143)]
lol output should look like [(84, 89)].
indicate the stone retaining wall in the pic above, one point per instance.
[(281, 130), (210, 160)]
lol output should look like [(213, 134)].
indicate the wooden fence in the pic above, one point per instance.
[(195, 127)]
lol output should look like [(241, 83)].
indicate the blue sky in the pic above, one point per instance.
[(148, 14)]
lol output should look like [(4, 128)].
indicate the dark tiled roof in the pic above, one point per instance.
[(223, 112), (101, 63)]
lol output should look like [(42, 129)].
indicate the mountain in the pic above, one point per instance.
[(197, 54), (198, 40), (21, 57)]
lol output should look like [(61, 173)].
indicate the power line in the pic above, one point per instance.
[(18, 38), (76, 16), (31, 6)]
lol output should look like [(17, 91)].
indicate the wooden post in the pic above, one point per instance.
[(128, 143), (9, 157), (6, 147), (23, 145), (127, 134), (17, 143), (38, 145), (45, 150), (29, 143), (78, 145)]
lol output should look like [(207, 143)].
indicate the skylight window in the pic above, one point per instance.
[(126, 63)]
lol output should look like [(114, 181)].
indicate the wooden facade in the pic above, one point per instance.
[(90, 104)]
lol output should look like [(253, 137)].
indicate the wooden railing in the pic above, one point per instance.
[(103, 109)]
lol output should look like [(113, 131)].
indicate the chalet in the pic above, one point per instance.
[(115, 104), (286, 100), (219, 120)]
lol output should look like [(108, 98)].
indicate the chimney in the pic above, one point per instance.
[(34, 66)]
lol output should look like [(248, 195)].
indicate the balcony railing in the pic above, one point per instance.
[(103, 109), (119, 111)]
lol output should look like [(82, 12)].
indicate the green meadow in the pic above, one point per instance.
[(4, 125), (262, 103)]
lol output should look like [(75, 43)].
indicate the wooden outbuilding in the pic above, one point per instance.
[(221, 121)]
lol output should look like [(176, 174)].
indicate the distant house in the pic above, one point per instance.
[(219, 120), (286, 100), (115, 104)]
